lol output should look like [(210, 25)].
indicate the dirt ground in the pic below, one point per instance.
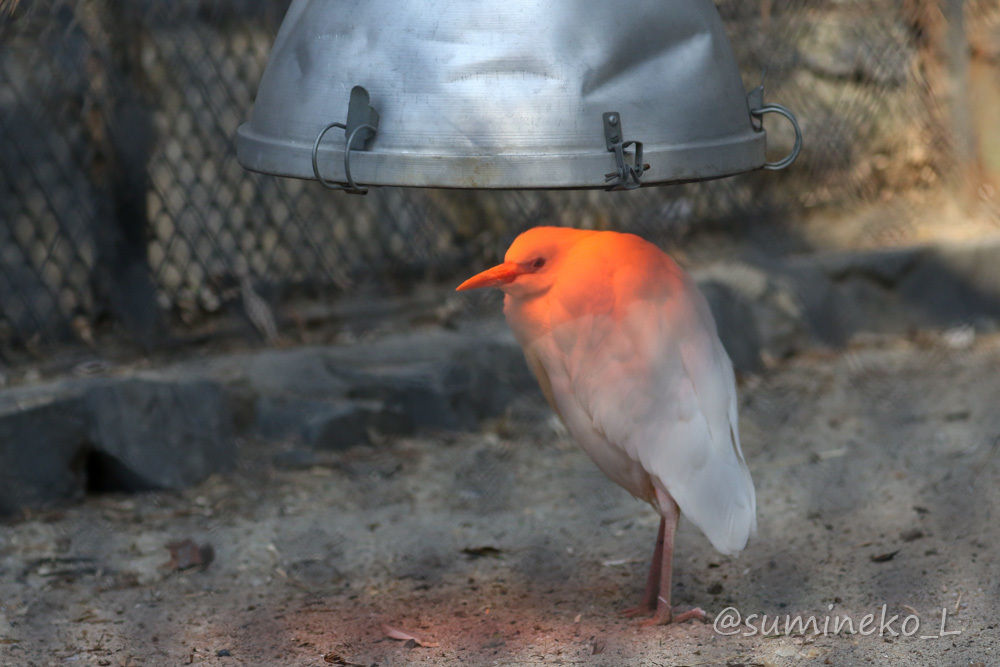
[(877, 485)]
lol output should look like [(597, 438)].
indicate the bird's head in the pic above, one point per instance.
[(532, 262)]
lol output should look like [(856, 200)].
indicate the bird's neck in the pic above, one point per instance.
[(528, 317)]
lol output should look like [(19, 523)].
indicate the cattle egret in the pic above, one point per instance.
[(626, 352)]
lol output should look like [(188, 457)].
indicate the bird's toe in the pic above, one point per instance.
[(674, 616), (641, 610), (681, 615)]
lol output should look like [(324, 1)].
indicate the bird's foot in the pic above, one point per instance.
[(641, 610), (674, 615)]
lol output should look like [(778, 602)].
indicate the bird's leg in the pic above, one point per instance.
[(648, 603), (664, 611)]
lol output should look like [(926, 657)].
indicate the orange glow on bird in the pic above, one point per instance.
[(626, 351)]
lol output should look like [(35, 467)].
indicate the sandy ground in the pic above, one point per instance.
[(877, 487)]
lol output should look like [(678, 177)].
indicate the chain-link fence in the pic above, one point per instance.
[(121, 200)]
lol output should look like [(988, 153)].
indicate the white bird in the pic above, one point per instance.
[(626, 352)]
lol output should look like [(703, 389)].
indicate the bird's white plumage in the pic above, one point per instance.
[(631, 360)]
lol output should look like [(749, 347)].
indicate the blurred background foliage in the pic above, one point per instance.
[(125, 217)]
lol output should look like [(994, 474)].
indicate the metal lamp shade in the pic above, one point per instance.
[(502, 94)]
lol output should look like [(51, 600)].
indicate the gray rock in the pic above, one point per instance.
[(432, 379), (495, 373), (819, 312), (445, 380), (334, 424), (756, 310), (885, 267), (158, 435), (174, 430), (306, 371), (737, 326), (341, 427), (422, 392), (894, 291), (42, 452), (954, 285), (295, 459)]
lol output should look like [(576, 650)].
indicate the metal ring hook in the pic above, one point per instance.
[(790, 158), (351, 186), (347, 157), (315, 152)]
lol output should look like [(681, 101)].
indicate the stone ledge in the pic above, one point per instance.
[(61, 440), (787, 305), (171, 428)]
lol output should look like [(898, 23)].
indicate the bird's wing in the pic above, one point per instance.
[(658, 384), (541, 374)]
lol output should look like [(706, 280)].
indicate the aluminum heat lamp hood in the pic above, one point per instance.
[(506, 94)]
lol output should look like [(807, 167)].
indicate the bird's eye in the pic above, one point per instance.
[(538, 263)]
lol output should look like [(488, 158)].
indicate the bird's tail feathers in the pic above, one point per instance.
[(724, 508)]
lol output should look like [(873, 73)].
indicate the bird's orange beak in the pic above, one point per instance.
[(501, 274)]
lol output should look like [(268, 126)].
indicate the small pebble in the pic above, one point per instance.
[(223, 653)]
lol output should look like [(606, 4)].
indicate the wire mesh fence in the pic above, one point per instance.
[(122, 203)]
